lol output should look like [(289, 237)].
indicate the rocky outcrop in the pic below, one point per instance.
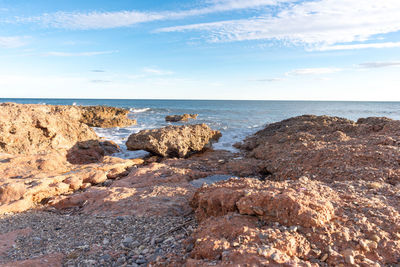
[(174, 141), (178, 118), (296, 223), (105, 117), (31, 129), (328, 148), (27, 181)]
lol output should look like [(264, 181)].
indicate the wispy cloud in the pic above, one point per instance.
[(100, 81), (98, 71), (156, 71), (125, 18), (78, 54), (12, 41), (312, 24), (374, 65), (312, 71), (269, 80), (359, 46)]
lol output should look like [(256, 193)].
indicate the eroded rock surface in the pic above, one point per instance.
[(174, 141), (105, 117), (296, 223), (178, 118), (31, 129), (329, 148)]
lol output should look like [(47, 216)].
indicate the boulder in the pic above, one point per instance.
[(31, 129), (174, 141), (105, 117), (184, 117)]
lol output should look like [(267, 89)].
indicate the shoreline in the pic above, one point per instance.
[(309, 190)]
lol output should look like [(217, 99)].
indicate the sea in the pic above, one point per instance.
[(236, 119)]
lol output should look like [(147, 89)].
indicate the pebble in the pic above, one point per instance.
[(141, 261), (375, 238), (324, 257), (349, 259)]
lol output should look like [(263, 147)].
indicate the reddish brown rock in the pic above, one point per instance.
[(91, 151), (178, 118), (105, 117), (296, 223), (174, 141), (26, 181), (328, 148)]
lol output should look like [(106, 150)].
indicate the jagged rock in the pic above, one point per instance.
[(105, 117), (174, 141), (31, 129), (184, 117), (328, 148)]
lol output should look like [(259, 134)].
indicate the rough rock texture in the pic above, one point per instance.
[(28, 181), (184, 117), (31, 129), (296, 223), (173, 141), (329, 148), (105, 117), (91, 151)]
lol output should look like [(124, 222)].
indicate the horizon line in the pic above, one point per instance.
[(180, 99)]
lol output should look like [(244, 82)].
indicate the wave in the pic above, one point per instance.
[(139, 110)]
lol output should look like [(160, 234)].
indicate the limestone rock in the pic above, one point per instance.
[(178, 118), (31, 129), (174, 141), (105, 117)]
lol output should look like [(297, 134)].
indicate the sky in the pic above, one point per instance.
[(201, 49)]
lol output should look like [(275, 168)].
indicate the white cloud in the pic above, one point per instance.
[(269, 80), (156, 71), (12, 41), (313, 71), (359, 46), (374, 65), (107, 20), (78, 54), (312, 23)]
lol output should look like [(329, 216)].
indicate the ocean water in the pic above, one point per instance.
[(235, 119)]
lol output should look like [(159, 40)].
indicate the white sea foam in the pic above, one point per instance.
[(139, 110), (74, 104)]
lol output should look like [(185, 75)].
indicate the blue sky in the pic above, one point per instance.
[(201, 49)]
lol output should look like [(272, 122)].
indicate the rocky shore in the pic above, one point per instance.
[(307, 191)]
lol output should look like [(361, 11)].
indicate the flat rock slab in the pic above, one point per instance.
[(210, 180)]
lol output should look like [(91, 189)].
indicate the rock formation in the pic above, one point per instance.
[(31, 129), (184, 117), (328, 148), (105, 117), (174, 141)]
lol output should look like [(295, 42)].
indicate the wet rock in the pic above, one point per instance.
[(184, 117)]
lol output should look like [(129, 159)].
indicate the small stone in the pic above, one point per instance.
[(121, 260), (236, 244), (105, 241), (372, 245), (141, 261), (349, 259), (364, 245), (293, 228), (375, 238), (275, 257), (324, 257), (259, 211)]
